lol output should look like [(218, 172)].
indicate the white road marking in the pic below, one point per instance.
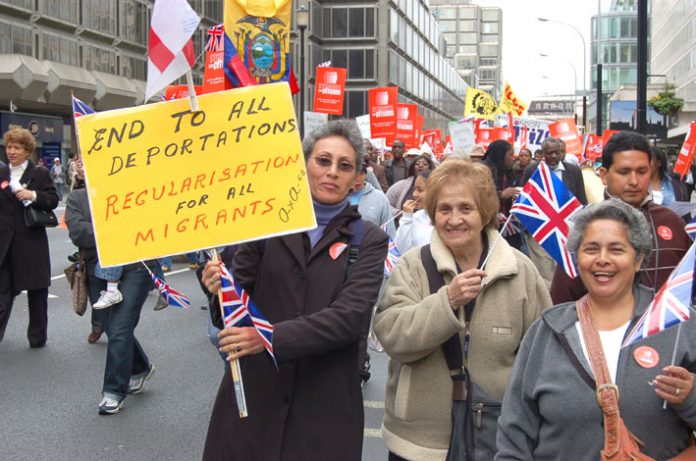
[(374, 433), (50, 296), (373, 404)]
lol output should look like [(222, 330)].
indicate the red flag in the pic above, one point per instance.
[(686, 154)]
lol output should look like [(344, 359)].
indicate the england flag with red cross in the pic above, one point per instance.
[(544, 207), (170, 48)]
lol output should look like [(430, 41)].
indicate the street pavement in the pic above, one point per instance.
[(49, 396)]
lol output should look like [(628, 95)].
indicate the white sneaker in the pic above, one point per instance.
[(137, 383), (109, 406), (108, 299)]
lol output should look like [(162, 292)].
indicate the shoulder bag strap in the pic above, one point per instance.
[(451, 348), (607, 392)]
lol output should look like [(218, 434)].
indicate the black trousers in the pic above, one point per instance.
[(38, 308)]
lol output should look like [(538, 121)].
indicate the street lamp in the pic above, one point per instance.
[(302, 21), (584, 67), (575, 73)]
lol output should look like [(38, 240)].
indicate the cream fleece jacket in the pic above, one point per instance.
[(412, 324)]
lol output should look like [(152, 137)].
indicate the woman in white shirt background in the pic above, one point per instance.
[(415, 227)]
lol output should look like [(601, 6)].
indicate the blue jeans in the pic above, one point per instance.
[(109, 274), (124, 355)]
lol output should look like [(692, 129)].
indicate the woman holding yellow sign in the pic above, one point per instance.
[(316, 288)]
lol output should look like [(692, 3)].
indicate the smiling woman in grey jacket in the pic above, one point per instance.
[(550, 410)]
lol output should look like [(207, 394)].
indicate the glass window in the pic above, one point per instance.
[(490, 27), (65, 10), (468, 38), (135, 21), (356, 104), (339, 22), (356, 22), (468, 12), (16, 39), (100, 59), (339, 58), (445, 12), (369, 22), (99, 15), (21, 3), (369, 63), (60, 49), (356, 64), (394, 26), (490, 14), (448, 26), (213, 10), (132, 67)]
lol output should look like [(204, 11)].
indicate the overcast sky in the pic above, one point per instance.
[(524, 37)]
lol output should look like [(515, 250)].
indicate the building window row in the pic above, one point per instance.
[(421, 18), (615, 53), (348, 22), (674, 48), (359, 62), (16, 39)]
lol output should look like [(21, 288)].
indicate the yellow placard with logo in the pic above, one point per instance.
[(479, 104), (163, 180)]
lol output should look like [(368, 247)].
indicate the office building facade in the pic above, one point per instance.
[(474, 37), (384, 43), (673, 51)]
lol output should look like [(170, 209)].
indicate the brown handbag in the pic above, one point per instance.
[(619, 443), (77, 279)]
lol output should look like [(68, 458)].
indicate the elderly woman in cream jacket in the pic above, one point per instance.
[(490, 309)]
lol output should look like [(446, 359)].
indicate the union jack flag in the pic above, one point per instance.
[(544, 208), (240, 311), (691, 228), (80, 108), (671, 304), (215, 39), (513, 228), (169, 294)]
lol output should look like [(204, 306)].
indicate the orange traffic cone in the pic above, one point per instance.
[(62, 224)]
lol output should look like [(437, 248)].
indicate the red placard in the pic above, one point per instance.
[(214, 72), (485, 136), (567, 131), (686, 154), (593, 147), (406, 115), (420, 120), (330, 90), (180, 91), (434, 139), (382, 103)]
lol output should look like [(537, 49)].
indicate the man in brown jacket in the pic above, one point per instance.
[(625, 172)]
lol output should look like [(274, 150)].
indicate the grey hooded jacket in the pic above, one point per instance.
[(550, 411)]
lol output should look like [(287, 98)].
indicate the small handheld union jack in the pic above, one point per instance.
[(214, 39), (671, 304), (691, 229), (240, 311), (80, 108), (544, 207), (169, 294), (393, 254)]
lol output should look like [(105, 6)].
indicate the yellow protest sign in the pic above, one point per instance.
[(479, 104), (510, 102), (162, 180)]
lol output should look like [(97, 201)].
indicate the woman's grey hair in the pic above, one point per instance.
[(639, 235), (345, 128)]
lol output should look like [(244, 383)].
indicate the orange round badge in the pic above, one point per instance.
[(336, 249), (664, 232), (646, 357), (4, 185)]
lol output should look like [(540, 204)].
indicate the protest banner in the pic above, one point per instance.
[(509, 103), (329, 91), (420, 121), (406, 124), (314, 120), (566, 131), (485, 136), (363, 122), (164, 180), (382, 104), (462, 135), (537, 131), (479, 104), (686, 153)]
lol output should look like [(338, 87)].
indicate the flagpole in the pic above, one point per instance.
[(192, 92), (490, 250), (674, 356), (234, 364), (396, 215)]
